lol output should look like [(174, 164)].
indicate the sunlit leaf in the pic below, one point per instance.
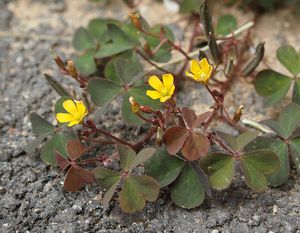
[(174, 138), (296, 92), (220, 168), (106, 178), (127, 156), (163, 167), (295, 152), (142, 157), (289, 58), (82, 40), (86, 63), (272, 85)]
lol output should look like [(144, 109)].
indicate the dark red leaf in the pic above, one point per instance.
[(174, 138), (200, 119), (76, 177), (74, 148), (189, 116), (61, 161), (195, 146)]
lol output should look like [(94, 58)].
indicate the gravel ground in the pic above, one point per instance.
[(33, 201)]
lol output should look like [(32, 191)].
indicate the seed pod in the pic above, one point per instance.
[(229, 67), (254, 62), (205, 18), (71, 69), (238, 114), (214, 49), (159, 136), (146, 109), (201, 55), (56, 86), (146, 47)]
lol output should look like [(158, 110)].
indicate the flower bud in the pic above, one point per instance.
[(71, 69), (135, 107), (146, 109), (135, 19)]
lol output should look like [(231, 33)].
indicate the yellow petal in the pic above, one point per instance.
[(168, 81), (164, 99), (153, 94), (70, 107), (204, 65), (191, 76), (171, 91), (155, 83), (81, 108), (195, 67), (64, 117), (73, 123)]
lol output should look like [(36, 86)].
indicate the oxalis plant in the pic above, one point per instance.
[(181, 151)]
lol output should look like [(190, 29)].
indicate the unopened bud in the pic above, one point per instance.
[(135, 19), (135, 107), (238, 114), (146, 109), (71, 69), (205, 18), (59, 62)]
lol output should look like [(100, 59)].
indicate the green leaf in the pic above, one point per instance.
[(289, 58), (295, 152), (106, 178), (296, 92), (135, 191), (226, 24), (256, 165), (288, 122), (188, 6), (163, 167), (58, 143), (221, 169), (103, 91), (33, 145), (39, 125), (56, 86), (188, 190), (98, 29), (238, 143), (83, 40), (280, 176), (272, 85), (127, 68), (120, 42), (127, 156), (86, 63), (110, 72)]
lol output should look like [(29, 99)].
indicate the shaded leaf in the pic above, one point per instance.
[(200, 119), (58, 143), (226, 24), (163, 167), (220, 168), (296, 92), (189, 116), (142, 157), (76, 177), (195, 147), (289, 58), (103, 91), (33, 145), (272, 85), (106, 178), (86, 63), (120, 42), (98, 29), (188, 190), (74, 148), (56, 86), (295, 152), (82, 40), (127, 156), (39, 125), (174, 138), (109, 194)]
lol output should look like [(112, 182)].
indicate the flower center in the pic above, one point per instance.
[(77, 116), (164, 92)]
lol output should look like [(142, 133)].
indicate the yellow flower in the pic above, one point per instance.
[(163, 89), (200, 71), (76, 112)]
